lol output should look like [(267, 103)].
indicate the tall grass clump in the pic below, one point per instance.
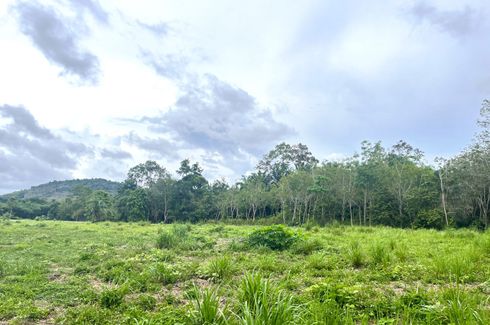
[(264, 304), (453, 267), (306, 246), (220, 268), (166, 240), (111, 298), (380, 254), (205, 308), (460, 308), (174, 237), (355, 255), (181, 230)]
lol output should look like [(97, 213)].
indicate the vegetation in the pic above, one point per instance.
[(379, 186), (119, 273), (57, 190)]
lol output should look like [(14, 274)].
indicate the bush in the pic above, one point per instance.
[(274, 237), (380, 254), (429, 219)]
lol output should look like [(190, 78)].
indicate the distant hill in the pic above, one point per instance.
[(61, 189)]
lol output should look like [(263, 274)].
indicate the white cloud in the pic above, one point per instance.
[(335, 72)]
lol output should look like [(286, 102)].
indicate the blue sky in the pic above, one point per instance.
[(91, 88)]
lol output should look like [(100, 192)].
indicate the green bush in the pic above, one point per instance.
[(275, 237), (429, 219), (380, 254)]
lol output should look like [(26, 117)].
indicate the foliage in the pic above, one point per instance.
[(111, 273), (274, 237), (264, 304), (221, 267), (111, 298), (166, 239), (206, 308)]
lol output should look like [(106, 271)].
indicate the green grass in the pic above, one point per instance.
[(107, 273)]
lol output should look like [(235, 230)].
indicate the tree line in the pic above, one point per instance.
[(378, 186)]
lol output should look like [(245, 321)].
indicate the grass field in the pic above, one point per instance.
[(70, 272)]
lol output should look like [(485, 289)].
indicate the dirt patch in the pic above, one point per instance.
[(58, 274), (99, 285), (222, 244)]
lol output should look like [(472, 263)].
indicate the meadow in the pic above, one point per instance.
[(213, 273)]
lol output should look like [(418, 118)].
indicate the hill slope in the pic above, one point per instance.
[(60, 189)]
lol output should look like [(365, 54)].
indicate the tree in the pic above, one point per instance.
[(147, 174), (100, 206), (189, 192), (283, 160), (403, 160), (132, 204)]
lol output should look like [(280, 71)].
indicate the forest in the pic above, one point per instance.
[(392, 186)]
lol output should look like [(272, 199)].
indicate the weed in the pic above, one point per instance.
[(264, 304), (355, 255), (164, 273), (220, 268), (166, 240), (306, 246), (111, 298), (380, 255), (146, 302), (205, 308), (274, 237)]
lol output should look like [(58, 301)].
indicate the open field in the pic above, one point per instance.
[(69, 272)]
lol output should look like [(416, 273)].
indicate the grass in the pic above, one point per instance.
[(123, 273)]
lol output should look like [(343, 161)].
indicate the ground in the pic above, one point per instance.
[(139, 273)]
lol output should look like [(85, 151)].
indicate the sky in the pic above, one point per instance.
[(91, 88)]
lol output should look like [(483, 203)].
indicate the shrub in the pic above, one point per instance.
[(274, 237), (318, 261), (429, 219)]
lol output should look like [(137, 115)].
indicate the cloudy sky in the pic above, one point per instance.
[(90, 88)]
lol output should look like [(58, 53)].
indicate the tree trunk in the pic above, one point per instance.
[(365, 206)]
